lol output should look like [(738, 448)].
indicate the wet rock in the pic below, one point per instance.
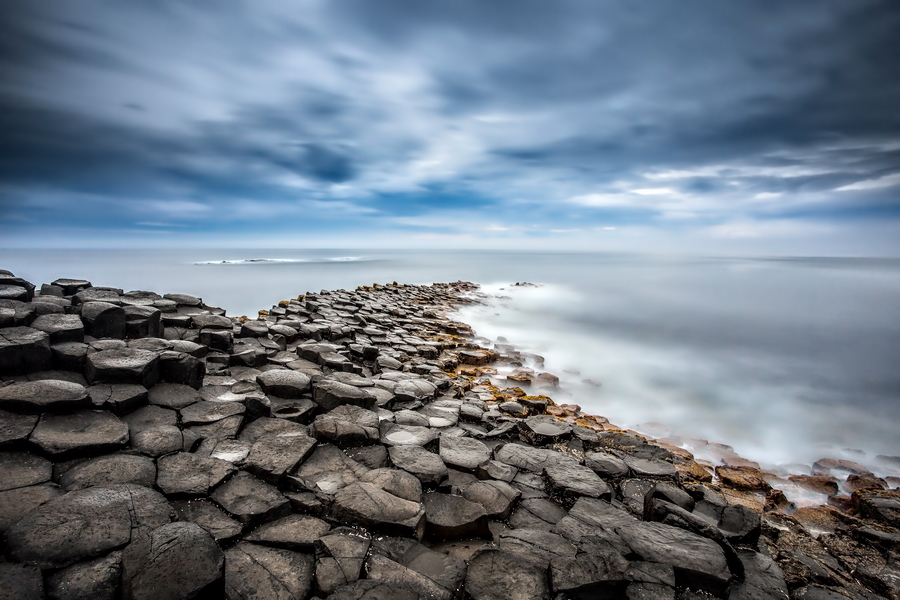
[(464, 452), (17, 502), (531, 459), (496, 470), (329, 394), (396, 482), (493, 573), (606, 465), (85, 524), (861, 482), (60, 327), (347, 426), (541, 430), (294, 532), (372, 457), (406, 435), (763, 579), (103, 320), (650, 467), (698, 562), (574, 480), (70, 356), (536, 513), (177, 560), (329, 469), (254, 571), (827, 465), (425, 465), (125, 365), (265, 426), (367, 505), (408, 564), (204, 412), (453, 517), (880, 505), (210, 517), (21, 582), (603, 571), (85, 433), (415, 389), (274, 455), (251, 500), (496, 497), (24, 350), (97, 579), (118, 398), (15, 428), (185, 474), (47, 395), (742, 478), (284, 383), (340, 557), (109, 470)]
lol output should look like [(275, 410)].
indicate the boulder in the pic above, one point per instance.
[(21, 582), (254, 571), (142, 322), (84, 524), (210, 517), (406, 435), (60, 327), (251, 500), (274, 455), (177, 560), (182, 368), (606, 465), (330, 394), (367, 505), (569, 480), (284, 383), (347, 426), (453, 517), (293, 532), (93, 579), (425, 465), (84, 433), (15, 428), (109, 470), (329, 470), (103, 320), (541, 430), (159, 440), (464, 453), (185, 474), (46, 395), (70, 287), (408, 564), (24, 350), (493, 573), (22, 469), (123, 365), (496, 497), (118, 398)]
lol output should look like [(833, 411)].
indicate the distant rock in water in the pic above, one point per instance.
[(359, 444)]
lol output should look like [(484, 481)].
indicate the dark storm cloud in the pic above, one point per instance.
[(559, 113)]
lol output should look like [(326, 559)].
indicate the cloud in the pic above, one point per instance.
[(872, 184)]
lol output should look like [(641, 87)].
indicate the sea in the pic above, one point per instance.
[(785, 359)]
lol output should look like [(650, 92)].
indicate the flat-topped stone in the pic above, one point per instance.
[(119, 398), (251, 500), (254, 571), (367, 505), (204, 412), (210, 517), (173, 395), (110, 470), (15, 428), (184, 299), (24, 350), (186, 474), (284, 383), (453, 517), (47, 395), (330, 394), (293, 532), (123, 365), (60, 327), (23, 469), (103, 319), (425, 465), (464, 452), (274, 455), (84, 433)]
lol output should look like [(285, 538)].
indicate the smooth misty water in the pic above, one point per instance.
[(786, 359)]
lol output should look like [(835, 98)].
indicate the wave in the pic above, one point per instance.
[(257, 261)]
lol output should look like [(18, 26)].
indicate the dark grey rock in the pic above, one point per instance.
[(573, 480), (493, 573), (185, 474), (97, 294), (408, 564), (496, 470), (150, 416), (274, 455), (540, 544), (109, 470), (142, 321), (44, 396), (118, 398), (84, 433), (293, 532), (180, 367), (464, 452), (24, 350), (415, 389), (210, 517), (177, 560), (217, 339), (17, 502), (85, 524), (14, 313), (204, 412), (763, 579), (184, 299), (367, 505), (496, 497), (265, 426), (396, 482), (15, 428), (406, 435), (651, 468), (97, 579), (125, 365), (329, 470), (372, 457), (71, 356), (340, 556), (173, 395), (346, 426), (531, 459), (254, 571), (60, 327), (71, 287), (606, 465), (425, 465), (541, 430), (370, 589), (210, 321), (13, 292), (284, 383), (22, 469), (330, 394), (536, 513), (453, 517), (21, 582), (103, 320), (251, 500)]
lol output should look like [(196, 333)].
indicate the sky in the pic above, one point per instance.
[(761, 126)]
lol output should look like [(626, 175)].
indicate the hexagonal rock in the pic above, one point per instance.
[(453, 518), (370, 589), (415, 389), (103, 320), (177, 560), (329, 469), (293, 532), (47, 395), (173, 395), (109, 295), (124, 365), (251, 500), (85, 433), (119, 398), (13, 292), (698, 562), (531, 459), (538, 543), (21, 582), (210, 517), (180, 367), (496, 497), (742, 478), (21, 469), (142, 321), (184, 299), (284, 383), (464, 452), (340, 558), (60, 328), (367, 505), (330, 394), (98, 578), (408, 564), (16, 314), (188, 474), (603, 570), (881, 505), (347, 426), (109, 470), (86, 523), (493, 573), (274, 455), (425, 465), (24, 350), (541, 430), (606, 465), (15, 428), (209, 412), (71, 287), (266, 425), (648, 467), (573, 480), (253, 571), (396, 482), (406, 435)]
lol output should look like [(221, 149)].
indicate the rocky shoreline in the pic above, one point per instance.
[(352, 444)]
